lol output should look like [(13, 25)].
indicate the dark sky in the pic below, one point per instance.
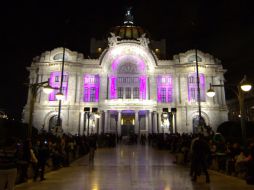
[(223, 28)]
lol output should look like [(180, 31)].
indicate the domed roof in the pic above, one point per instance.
[(128, 30)]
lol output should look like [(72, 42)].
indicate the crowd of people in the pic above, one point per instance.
[(24, 159), (49, 151), (211, 151)]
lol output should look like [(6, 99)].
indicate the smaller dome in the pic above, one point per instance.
[(128, 31)]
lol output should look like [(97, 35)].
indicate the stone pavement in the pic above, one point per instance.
[(131, 168)]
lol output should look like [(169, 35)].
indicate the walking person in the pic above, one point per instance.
[(92, 148), (34, 160), (200, 152), (194, 139), (43, 155), (8, 165)]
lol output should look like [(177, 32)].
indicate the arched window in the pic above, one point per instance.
[(164, 89), (193, 88), (59, 57), (192, 59)]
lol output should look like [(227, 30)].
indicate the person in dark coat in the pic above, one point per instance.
[(8, 166), (43, 155), (199, 158), (92, 148)]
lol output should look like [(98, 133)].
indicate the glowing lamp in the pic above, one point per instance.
[(47, 89), (210, 93), (246, 87), (59, 96)]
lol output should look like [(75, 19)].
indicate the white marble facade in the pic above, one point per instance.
[(129, 60)]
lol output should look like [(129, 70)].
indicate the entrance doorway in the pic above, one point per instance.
[(128, 124), (52, 123), (198, 126)]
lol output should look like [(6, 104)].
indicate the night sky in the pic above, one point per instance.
[(223, 28)]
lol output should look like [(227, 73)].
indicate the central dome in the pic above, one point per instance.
[(128, 30)]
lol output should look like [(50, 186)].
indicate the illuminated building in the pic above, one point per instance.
[(130, 86)]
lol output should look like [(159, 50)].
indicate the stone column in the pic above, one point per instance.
[(183, 88), (106, 121), (78, 89), (136, 122), (79, 131), (153, 87), (147, 122), (159, 122), (103, 87), (223, 101), (147, 95), (150, 125), (101, 124), (109, 87), (155, 121), (119, 123), (84, 132), (177, 89), (71, 91)]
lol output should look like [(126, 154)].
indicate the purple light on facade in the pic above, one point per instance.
[(164, 88), (128, 112), (142, 87), (128, 59), (91, 88), (54, 81), (113, 91), (192, 87)]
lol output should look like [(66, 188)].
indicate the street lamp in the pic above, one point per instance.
[(198, 91), (34, 88), (243, 86), (60, 98)]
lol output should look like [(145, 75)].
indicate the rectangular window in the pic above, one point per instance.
[(193, 89), (128, 93), (193, 93), (136, 93), (65, 78), (165, 88), (192, 80), (163, 95), (55, 83), (86, 95), (120, 92), (92, 94), (169, 94)]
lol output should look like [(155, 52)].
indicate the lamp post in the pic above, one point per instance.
[(60, 97), (34, 88), (243, 86), (199, 127)]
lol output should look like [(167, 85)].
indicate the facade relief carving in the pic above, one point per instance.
[(128, 68), (112, 41), (143, 40)]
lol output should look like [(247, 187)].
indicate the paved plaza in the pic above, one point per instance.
[(131, 168)]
